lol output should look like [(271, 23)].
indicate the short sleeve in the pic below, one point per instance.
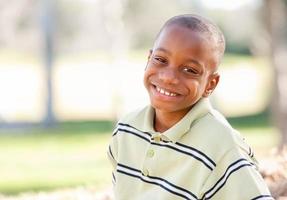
[(235, 177)]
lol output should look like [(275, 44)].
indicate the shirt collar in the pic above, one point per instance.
[(201, 108)]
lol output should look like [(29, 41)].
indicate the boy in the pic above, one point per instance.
[(179, 147)]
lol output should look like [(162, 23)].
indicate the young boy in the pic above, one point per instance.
[(179, 147)]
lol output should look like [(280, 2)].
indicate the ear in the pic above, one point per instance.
[(149, 55), (211, 85)]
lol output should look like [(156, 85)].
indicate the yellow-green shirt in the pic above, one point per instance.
[(200, 157)]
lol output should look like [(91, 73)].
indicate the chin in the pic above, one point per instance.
[(165, 108)]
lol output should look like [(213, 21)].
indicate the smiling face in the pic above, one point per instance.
[(180, 70)]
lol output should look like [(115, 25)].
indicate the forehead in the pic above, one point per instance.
[(187, 43), (177, 31)]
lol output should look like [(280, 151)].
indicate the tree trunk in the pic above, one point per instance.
[(276, 14), (48, 20)]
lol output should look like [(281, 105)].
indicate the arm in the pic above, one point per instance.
[(235, 177)]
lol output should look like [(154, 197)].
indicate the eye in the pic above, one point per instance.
[(190, 70), (160, 60)]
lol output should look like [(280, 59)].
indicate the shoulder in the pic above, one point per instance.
[(233, 136), (216, 136), (213, 127), (235, 164)]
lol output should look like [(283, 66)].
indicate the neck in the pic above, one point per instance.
[(165, 120)]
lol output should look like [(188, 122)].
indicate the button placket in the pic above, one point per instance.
[(148, 162)]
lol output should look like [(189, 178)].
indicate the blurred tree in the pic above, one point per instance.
[(48, 21), (276, 23)]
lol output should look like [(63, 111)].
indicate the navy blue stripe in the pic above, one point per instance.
[(228, 177), (174, 148), (164, 141), (133, 133), (193, 149), (251, 154), (162, 186), (128, 167), (201, 153), (234, 163), (115, 133), (261, 196), (127, 125), (180, 188), (111, 153), (158, 178), (114, 178), (249, 164), (185, 152)]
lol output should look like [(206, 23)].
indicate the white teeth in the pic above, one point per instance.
[(166, 93), (162, 91)]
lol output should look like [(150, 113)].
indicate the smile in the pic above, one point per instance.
[(165, 92)]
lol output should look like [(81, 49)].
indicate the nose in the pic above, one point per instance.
[(168, 76)]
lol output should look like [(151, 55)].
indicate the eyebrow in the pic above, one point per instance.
[(169, 53), (163, 50), (195, 62)]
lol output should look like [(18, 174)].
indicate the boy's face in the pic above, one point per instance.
[(180, 70)]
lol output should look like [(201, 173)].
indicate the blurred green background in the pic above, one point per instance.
[(70, 69)]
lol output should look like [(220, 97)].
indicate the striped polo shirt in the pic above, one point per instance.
[(199, 158)]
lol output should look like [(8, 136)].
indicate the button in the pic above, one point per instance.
[(145, 172), (150, 153), (157, 139)]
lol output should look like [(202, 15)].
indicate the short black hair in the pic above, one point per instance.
[(202, 25)]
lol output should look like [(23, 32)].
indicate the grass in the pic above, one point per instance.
[(74, 154), (47, 159)]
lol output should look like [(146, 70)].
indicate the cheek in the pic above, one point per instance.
[(147, 74), (194, 89), (149, 71), (145, 80)]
